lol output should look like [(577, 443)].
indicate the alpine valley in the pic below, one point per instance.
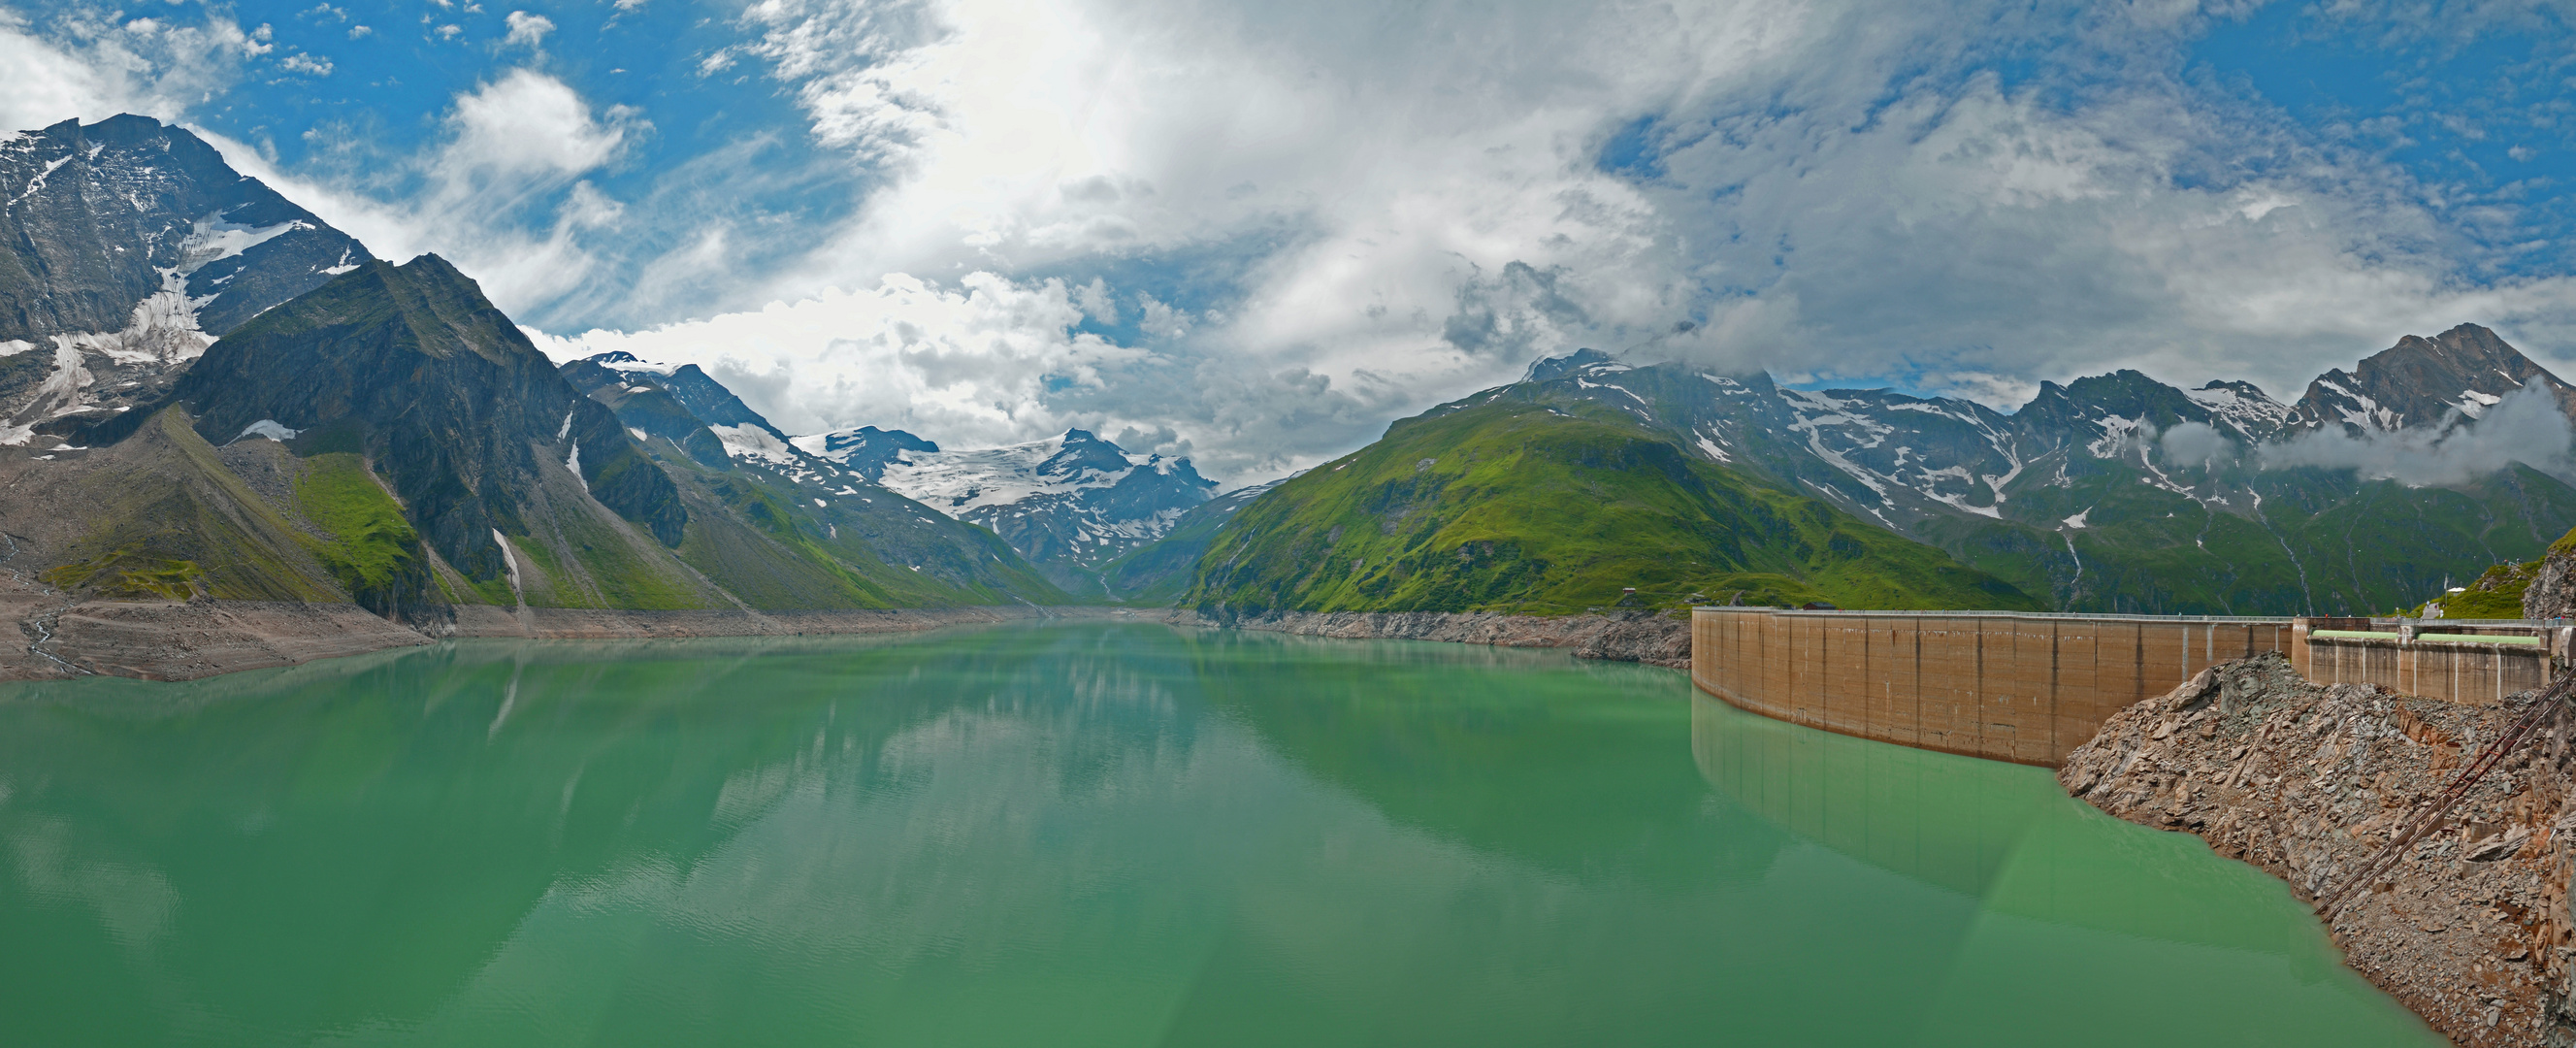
[(231, 436), (230, 422)]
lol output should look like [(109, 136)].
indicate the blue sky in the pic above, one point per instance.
[(1255, 233)]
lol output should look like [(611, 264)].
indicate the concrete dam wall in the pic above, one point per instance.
[(2030, 688)]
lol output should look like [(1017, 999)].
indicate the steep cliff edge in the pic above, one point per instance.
[(2471, 929), (2551, 593)]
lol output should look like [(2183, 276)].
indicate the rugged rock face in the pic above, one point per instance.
[(866, 451), (2423, 383), (648, 409), (2471, 929), (698, 393), (739, 466), (448, 399), (1636, 636), (99, 218), (125, 248), (2551, 593), (420, 457)]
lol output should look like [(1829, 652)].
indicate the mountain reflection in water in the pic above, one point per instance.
[(1091, 833)]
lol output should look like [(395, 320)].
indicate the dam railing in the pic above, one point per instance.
[(2028, 688)]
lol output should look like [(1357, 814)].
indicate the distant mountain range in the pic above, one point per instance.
[(1069, 503), (2112, 493), (220, 396)]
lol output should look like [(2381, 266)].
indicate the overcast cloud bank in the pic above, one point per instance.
[(1255, 233)]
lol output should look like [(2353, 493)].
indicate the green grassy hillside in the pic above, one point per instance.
[(367, 545), (2319, 542), (425, 431), (164, 518), (2496, 593), (1520, 508)]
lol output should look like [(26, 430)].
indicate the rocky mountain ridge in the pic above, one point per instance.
[(126, 248), (706, 437), (1069, 503), (2118, 492), (288, 422)]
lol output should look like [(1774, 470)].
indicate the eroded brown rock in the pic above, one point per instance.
[(2471, 928)]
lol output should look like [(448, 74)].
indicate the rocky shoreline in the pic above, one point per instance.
[(186, 640), (2470, 929), (1635, 636)]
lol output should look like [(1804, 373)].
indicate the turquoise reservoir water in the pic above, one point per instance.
[(1094, 834)]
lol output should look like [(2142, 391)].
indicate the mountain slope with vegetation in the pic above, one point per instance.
[(1519, 508), (1160, 572), (2119, 493), (391, 439)]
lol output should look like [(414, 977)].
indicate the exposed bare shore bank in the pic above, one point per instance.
[(174, 640), (2470, 929), (186, 640), (1636, 636)]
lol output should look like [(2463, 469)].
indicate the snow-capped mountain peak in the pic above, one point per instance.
[(1901, 459), (1073, 497), (138, 247)]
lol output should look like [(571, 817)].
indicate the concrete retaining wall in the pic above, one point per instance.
[(2021, 688), (2030, 688)]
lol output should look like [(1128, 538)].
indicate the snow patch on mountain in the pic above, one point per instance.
[(38, 183), (959, 482), (620, 360), (215, 238), (2242, 407), (752, 442), (1073, 496), (2118, 436), (269, 429), (1711, 449)]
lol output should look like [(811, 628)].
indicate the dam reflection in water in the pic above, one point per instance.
[(1085, 834), (2069, 908)]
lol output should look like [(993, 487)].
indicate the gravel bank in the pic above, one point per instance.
[(2471, 928)]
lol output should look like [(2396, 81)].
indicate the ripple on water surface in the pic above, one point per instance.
[(1087, 834)]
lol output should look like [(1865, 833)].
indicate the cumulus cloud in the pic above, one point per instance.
[(2526, 426), (1388, 230), (1990, 231), (1828, 190), (526, 29), (977, 361), (502, 192), (93, 66)]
